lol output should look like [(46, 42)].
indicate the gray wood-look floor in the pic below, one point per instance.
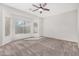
[(42, 47)]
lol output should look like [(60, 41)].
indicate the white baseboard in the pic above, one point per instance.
[(33, 38), (62, 39)]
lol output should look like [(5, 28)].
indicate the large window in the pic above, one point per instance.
[(22, 26), (19, 26), (27, 27)]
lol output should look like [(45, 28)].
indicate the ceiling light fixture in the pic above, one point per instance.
[(41, 7)]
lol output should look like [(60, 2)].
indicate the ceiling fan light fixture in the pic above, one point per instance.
[(41, 7), (40, 12)]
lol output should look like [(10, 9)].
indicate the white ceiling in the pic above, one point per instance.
[(55, 8)]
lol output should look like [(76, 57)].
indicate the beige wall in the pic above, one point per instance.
[(62, 26)]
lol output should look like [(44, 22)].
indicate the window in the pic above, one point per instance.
[(35, 27), (22, 26), (7, 26)]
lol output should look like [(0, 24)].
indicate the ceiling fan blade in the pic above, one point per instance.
[(44, 4), (46, 9), (40, 5), (35, 10), (35, 6)]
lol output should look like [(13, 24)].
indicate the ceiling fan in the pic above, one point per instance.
[(41, 7)]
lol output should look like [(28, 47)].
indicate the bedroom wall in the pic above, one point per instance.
[(41, 26), (62, 26)]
